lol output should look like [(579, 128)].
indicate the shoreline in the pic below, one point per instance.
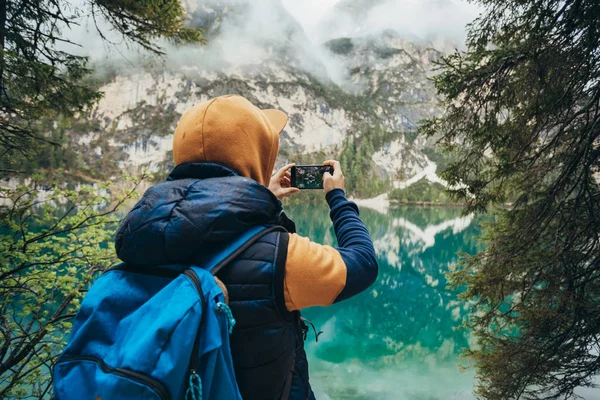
[(426, 204), (382, 203)]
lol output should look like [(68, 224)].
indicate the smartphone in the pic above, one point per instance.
[(309, 176)]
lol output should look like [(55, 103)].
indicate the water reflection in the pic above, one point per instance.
[(399, 339)]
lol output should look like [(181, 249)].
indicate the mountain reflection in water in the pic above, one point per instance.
[(397, 340)]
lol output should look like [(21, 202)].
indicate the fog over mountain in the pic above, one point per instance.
[(353, 76), (244, 32), (441, 21)]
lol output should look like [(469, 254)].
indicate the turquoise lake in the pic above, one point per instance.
[(399, 339)]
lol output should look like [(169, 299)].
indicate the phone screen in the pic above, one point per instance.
[(309, 176)]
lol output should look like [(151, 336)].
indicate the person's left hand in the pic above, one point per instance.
[(281, 183)]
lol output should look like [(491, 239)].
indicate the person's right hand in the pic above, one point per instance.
[(335, 181), (281, 184)]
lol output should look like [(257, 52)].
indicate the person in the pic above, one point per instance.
[(225, 151)]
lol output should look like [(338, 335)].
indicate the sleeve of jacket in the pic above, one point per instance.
[(318, 275)]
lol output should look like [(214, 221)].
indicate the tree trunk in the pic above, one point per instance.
[(2, 39)]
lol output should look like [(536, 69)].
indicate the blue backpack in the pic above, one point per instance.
[(154, 333)]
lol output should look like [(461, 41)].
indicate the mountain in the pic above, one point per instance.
[(359, 97)]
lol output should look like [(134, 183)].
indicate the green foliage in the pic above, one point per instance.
[(144, 21), (411, 136), (39, 81), (52, 244), (362, 177), (387, 52), (55, 159), (334, 96), (523, 116), (422, 192), (341, 46), (441, 158), (149, 120)]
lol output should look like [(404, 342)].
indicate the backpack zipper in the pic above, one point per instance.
[(195, 358), (152, 383)]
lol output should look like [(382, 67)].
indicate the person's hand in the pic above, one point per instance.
[(281, 183), (335, 181)]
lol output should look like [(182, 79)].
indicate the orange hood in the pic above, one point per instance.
[(232, 131)]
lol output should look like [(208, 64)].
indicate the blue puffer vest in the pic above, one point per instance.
[(200, 206)]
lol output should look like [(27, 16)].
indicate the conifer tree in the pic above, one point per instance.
[(523, 115), (39, 79), (55, 240)]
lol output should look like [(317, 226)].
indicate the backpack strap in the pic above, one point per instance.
[(216, 261)]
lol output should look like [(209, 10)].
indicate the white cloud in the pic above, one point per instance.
[(429, 20), (292, 31), (425, 19), (309, 13)]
